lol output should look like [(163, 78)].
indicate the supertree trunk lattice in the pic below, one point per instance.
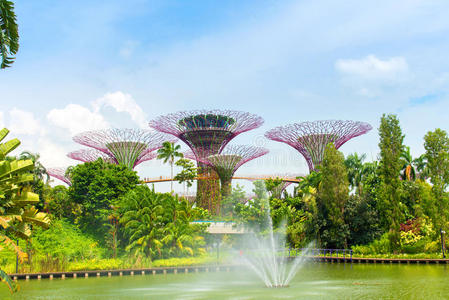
[(207, 132)]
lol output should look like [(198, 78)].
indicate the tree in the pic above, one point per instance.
[(362, 219), (158, 225), (96, 186), (9, 34), (275, 186), (188, 173), (421, 167), (436, 144), (237, 196), (408, 165), (333, 194), (168, 153), (391, 148), (354, 166), (17, 213), (59, 203)]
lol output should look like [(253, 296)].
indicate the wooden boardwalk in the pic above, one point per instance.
[(214, 268)]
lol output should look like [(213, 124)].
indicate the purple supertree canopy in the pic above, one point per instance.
[(311, 138), (88, 155), (206, 132), (233, 157), (59, 173), (127, 146)]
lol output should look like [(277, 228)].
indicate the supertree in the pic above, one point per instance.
[(311, 138), (207, 132), (129, 147), (229, 160), (59, 173), (88, 155)]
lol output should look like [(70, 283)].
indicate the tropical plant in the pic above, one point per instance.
[(158, 225), (408, 171), (9, 34), (168, 153), (436, 144), (188, 173), (354, 165), (333, 193), (421, 166), (95, 188), (16, 211), (391, 148), (39, 171)]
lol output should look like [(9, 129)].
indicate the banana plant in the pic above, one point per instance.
[(17, 212)]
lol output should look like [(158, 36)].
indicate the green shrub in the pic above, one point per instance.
[(184, 261), (96, 264), (65, 241)]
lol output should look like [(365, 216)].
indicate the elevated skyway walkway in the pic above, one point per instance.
[(222, 227), (291, 179)]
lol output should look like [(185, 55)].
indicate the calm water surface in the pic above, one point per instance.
[(313, 281)]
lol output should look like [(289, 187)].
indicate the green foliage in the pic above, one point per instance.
[(188, 173), (97, 264), (168, 153), (380, 246), (9, 34), (158, 225), (333, 194), (65, 241), (391, 149), (355, 168), (17, 213), (95, 188), (184, 261), (274, 186), (228, 203), (260, 189), (59, 203), (436, 144), (362, 219)]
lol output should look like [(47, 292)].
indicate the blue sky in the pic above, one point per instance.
[(96, 64)]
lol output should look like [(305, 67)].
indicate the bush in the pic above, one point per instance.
[(64, 241)]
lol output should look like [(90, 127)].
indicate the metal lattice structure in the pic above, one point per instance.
[(311, 138), (89, 155), (229, 160), (129, 147), (59, 173), (207, 132)]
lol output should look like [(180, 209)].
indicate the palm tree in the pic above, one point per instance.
[(39, 171), (421, 167), (168, 153), (408, 170), (354, 165), (9, 34)]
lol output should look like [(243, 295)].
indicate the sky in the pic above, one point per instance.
[(85, 65)]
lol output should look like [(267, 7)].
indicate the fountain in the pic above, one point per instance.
[(270, 264)]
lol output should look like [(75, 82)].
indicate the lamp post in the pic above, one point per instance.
[(443, 246)]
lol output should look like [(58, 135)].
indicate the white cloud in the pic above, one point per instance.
[(2, 120), (23, 122), (373, 68), (77, 118), (122, 102), (53, 155)]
